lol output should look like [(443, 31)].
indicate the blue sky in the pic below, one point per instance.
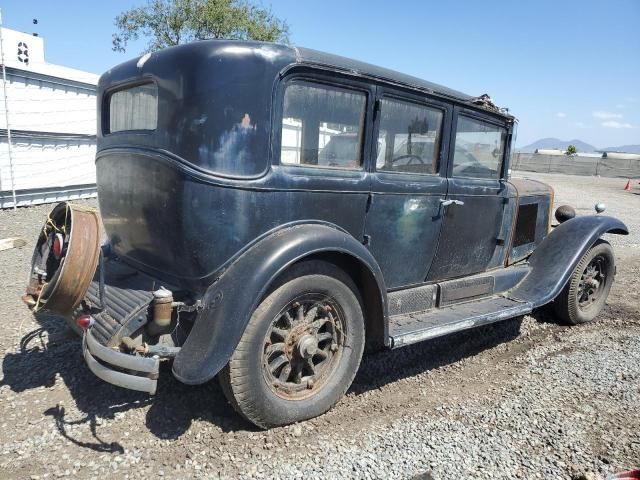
[(567, 69)]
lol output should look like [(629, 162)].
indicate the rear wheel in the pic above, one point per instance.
[(301, 348), (584, 296)]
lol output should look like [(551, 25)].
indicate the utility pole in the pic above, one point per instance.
[(6, 113)]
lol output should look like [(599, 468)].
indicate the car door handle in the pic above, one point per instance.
[(446, 203)]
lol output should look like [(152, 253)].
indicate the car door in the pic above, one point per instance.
[(476, 197), (408, 180), (321, 138)]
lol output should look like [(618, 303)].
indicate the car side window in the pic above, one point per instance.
[(408, 138), (479, 149), (322, 126)]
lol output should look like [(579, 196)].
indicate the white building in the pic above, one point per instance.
[(550, 151), (51, 116), (621, 155)]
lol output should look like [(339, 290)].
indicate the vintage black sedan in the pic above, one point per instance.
[(271, 211)]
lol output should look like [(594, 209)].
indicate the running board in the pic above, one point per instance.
[(417, 327)]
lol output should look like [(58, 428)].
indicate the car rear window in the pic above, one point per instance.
[(134, 108)]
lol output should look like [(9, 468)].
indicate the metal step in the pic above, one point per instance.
[(416, 327)]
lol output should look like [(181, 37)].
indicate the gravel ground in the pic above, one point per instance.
[(583, 193), (526, 398)]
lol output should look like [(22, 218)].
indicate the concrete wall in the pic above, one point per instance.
[(576, 165)]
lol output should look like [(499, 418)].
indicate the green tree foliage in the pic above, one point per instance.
[(172, 22), (571, 150)]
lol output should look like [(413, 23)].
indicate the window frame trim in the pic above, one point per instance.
[(321, 78), (106, 107), (480, 117), (414, 98)]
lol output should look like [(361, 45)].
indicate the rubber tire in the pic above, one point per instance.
[(566, 304), (242, 379)]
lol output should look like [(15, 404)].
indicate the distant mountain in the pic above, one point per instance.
[(555, 143), (622, 148)]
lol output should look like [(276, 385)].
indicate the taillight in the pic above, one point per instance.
[(85, 321), (58, 243)]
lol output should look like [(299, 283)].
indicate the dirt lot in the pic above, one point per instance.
[(526, 398)]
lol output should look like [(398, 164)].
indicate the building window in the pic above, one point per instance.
[(322, 126), (408, 138), (479, 149)]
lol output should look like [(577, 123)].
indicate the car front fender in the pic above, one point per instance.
[(230, 301), (553, 262)]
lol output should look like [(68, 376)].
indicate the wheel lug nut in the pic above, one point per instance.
[(334, 347)]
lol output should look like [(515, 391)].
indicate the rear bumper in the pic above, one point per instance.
[(132, 372)]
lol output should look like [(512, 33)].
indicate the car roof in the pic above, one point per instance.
[(307, 55), (279, 57)]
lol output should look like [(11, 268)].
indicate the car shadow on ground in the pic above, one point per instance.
[(386, 366), (52, 353)]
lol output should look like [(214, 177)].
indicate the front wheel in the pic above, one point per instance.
[(586, 292), (301, 348)]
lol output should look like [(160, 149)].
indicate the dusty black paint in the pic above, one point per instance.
[(202, 203), (555, 258), (230, 301)]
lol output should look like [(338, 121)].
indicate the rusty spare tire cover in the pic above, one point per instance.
[(65, 288)]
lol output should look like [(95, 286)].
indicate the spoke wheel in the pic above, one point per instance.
[(303, 345), (592, 282), (585, 294), (301, 348)]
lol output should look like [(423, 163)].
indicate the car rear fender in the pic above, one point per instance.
[(230, 301), (557, 256)]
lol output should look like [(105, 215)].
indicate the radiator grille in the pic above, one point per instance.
[(526, 225)]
